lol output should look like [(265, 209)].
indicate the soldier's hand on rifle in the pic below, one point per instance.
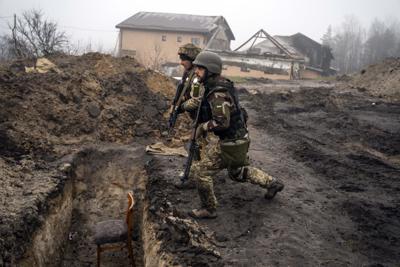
[(200, 131)]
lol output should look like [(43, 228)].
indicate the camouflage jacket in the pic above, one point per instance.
[(221, 112), (190, 101)]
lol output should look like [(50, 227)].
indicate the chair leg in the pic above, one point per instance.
[(98, 255), (130, 251)]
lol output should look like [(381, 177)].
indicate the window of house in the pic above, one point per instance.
[(195, 40), (164, 38), (244, 69), (179, 39)]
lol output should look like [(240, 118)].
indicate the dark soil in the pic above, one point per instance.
[(47, 117), (336, 148), (337, 151)]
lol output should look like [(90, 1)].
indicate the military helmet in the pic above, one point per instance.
[(189, 50), (209, 60)]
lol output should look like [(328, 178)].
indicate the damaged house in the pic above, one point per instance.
[(278, 57), (317, 56), (154, 38)]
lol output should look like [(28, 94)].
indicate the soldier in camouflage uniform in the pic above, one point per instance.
[(187, 53), (190, 94), (221, 114)]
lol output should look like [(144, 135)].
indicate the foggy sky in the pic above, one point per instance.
[(94, 20)]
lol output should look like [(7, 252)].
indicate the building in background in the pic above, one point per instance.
[(154, 38), (278, 57), (317, 56), (262, 56)]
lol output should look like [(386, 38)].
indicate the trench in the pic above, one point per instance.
[(100, 179)]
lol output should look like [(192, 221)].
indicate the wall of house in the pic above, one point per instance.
[(280, 65), (235, 71), (244, 65), (148, 46), (309, 74), (220, 41)]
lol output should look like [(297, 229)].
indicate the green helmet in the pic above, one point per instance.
[(189, 50), (209, 60)]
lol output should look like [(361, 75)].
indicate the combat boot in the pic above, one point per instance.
[(203, 213), (273, 189)]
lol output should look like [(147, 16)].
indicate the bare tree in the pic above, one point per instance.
[(157, 58), (327, 38), (348, 46), (34, 36), (353, 48), (5, 44), (153, 59)]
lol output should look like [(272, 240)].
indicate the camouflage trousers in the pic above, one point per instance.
[(203, 144), (210, 164)]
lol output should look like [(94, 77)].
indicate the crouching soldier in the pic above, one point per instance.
[(221, 114)]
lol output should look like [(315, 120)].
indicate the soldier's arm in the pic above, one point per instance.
[(192, 101), (191, 104), (221, 105)]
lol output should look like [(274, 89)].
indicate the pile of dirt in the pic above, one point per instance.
[(381, 79), (93, 98), (84, 100)]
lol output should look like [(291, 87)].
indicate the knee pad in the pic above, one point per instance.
[(238, 174)]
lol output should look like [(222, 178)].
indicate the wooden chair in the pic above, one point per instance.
[(115, 231)]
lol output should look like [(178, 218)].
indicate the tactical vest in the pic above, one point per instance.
[(237, 127)]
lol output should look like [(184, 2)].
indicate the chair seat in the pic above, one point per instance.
[(110, 231)]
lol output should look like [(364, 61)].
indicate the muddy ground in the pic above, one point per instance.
[(335, 145), (337, 151)]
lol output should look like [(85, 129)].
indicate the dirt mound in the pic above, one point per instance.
[(91, 98), (381, 79), (85, 100)]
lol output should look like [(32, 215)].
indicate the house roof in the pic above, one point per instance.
[(287, 42), (175, 22), (270, 45), (298, 41)]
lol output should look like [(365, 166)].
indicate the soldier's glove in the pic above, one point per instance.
[(200, 131), (180, 109)]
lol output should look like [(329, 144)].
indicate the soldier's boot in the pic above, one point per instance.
[(275, 187), (186, 184), (203, 213)]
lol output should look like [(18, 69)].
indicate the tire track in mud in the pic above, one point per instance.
[(309, 216), (354, 156)]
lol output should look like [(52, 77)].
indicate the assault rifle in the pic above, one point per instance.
[(193, 146), (176, 103)]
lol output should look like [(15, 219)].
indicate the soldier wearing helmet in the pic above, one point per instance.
[(222, 115), (187, 54), (188, 99)]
